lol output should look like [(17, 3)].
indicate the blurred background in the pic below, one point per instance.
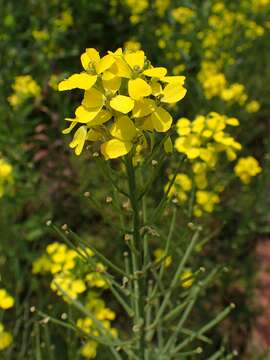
[(222, 47)]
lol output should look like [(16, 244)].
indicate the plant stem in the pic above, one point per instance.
[(137, 258)]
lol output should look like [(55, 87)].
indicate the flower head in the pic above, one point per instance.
[(124, 98)]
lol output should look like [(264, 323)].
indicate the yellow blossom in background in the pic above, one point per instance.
[(67, 286), (253, 106), (64, 21), (89, 349), (24, 87), (205, 137), (205, 202), (6, 301), (186, 279), (180, 188), (159, 254), (6, 178), (5, 338), (40, 35), (183, 14), (246, 168), (124, 98), (132, 45)]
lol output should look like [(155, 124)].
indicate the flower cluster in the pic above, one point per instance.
[(60, 261), (24, 87), (6, 178), (72, 279), (104, 315), (6, 302), (205, 137), (202, 140), (123, 99), (246, 168)]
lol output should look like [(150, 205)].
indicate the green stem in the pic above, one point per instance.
[(137, 258)]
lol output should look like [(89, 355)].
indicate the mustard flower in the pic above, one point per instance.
[(5, 338), (6, 178), (246, 168), (205, 137), (186, 279), (159, 254), (6, 300), (124, 98), (24, 87)]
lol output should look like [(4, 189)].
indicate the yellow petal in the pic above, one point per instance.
[(161, 120), (115, 148), (120, 68), (78, 81), (104, 63), (174, 79), (121, 103), (135, 59), (110, 81), (102, 117), (79, 139), (71, 126), (123, 129), (156, 88), (143, 107), (89, 57), (93, 98), (173, 92), (84, 115), (138, 89), (158, 72)]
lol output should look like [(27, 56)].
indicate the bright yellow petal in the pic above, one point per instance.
[(120, 68), (138, 89), (93, 98), (156, 88), (79, 139), (84, 115), (110, 81), (123, 129), (89, 57), (143, 107), (115, 148), (158, 72), (174, 79), (161, 120), (135, 59), (104, 63), (71, 126), (102, 117), (121, 103), (78, 81), (173, 92)]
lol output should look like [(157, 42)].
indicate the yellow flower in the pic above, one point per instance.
[(253, 106), (181, 186), (64, 284), (24, 88), (123, 98), (5, 338), (186, 279), (246, 168), (159, 254), (89, 349), (6, 301)]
